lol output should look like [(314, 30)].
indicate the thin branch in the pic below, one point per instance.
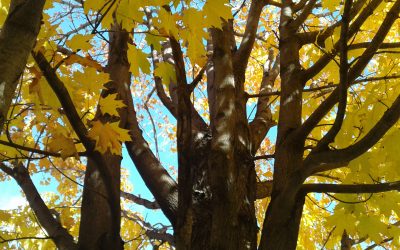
[(34, 150), (140, 201), (307, 9), (197, 79), (351, 188), (263, 189), (342, 89), (24, 238), (354, 72), (54, 229), (263, 157), (321, 161)]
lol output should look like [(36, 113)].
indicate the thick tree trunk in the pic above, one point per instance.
[(282, 220), (222, 210), (219, 196), (99, 229)]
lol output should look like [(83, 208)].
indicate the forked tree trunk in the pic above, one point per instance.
[(219, 196)]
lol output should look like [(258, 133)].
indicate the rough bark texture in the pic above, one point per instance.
[(17, 38), (281, 223), (96, 230), (220, 213)]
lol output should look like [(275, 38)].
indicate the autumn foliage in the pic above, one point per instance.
[(255, 124)]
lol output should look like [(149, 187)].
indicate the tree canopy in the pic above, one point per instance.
[(255, 124)]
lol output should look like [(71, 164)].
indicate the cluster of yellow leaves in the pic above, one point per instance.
[(63, 144), (108, 136)]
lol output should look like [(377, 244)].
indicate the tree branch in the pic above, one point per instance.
[(34, 150), (263, 189), (354, 72), (353, 29), (55, 230), (307, 9), (350, 189), (243, 53), (321, 161), (262, 122), (80, 129), (156, 178), (140, 201), (342, 89)]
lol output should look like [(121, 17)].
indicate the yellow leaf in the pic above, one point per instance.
[(128, 12), (215, 10), (331, 5), (64, 145), (80, 42), (167, 23), (194, 34), (166, 72), (108, 136), (110, 104), (138, 59)]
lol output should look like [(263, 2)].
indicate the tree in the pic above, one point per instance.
[(321, 75)]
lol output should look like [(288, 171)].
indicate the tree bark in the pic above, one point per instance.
[(17, 38), (96, 231), (220, 213), (282, 219)]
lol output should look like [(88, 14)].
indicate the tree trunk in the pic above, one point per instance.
[(97, 228), (218, 220), (282, 221), (17, 38), (219, 197)]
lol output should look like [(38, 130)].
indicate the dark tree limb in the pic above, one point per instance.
[(140, 201), (80, 129), (351, 189), (322, 161), (342, 89), (354, 72)]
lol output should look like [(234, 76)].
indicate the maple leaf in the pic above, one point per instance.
[(215, 10), (108, 136), (64, 145), (80, 42), (110, 104), (138, 59), (167, 24), (166, 72)]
